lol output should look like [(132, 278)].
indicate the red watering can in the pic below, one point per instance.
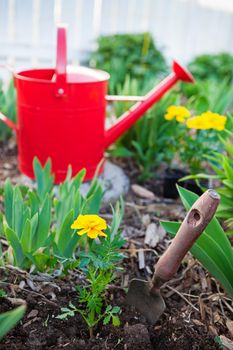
[(61, 114)]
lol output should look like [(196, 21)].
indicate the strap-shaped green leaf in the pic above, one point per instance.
[(213, 229), (205, 251), (8, 201), (44, 177), (9, 319), (43, 226), (65, 233), (18, 212), (212, 249), (26, 238), (13, 240)]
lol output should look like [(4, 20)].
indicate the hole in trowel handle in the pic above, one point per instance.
[(194, 217)]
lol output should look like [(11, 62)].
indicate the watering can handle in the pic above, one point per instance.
[(61, 61)]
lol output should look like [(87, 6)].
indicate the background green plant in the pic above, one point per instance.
[(7, 107), (212, 249), (212, 66), (132, 55), (208, 95)]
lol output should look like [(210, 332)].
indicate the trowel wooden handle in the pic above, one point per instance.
[(191, 228)]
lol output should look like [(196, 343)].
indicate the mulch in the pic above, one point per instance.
[(198, 313)]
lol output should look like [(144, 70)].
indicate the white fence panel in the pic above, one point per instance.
[(182, 28)]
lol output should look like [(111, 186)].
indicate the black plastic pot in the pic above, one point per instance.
[(171, 178)]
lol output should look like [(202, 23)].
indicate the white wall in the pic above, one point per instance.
[(182, 28)]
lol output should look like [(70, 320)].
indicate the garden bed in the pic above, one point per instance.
[(197, 314)]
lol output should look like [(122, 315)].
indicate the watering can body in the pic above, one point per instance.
[(61, 114), (69, 128)]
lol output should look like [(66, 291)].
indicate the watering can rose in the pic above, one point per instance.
[(92, 225)]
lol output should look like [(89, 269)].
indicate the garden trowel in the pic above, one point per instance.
[(145, 296)]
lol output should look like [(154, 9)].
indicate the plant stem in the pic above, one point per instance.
[(91, 332)]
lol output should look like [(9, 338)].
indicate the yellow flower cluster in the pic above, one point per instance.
[(178, 112), (207, 120), (92, 225)]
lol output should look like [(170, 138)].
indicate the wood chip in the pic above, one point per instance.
[(229, 325), (198, 323), (227, 343), (141, 259), (151, 237), (202, 309), (142, 192), (31, 285), (154, 234), (212, 330), (146, 219), (31, 321), (16, 301), (133, 250), (22, 284), (33, 313), (126, 281)]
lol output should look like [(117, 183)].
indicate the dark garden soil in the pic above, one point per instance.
[(198, 314)]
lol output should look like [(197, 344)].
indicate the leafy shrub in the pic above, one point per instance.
[(212, 249), (217, 67), (133, 55)]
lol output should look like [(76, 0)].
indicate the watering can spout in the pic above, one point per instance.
[(137, 110)]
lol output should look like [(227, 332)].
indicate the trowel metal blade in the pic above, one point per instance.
[(150, 305)]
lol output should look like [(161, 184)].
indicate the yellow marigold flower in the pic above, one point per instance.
[(215, 120), (197, 123), (207, 120), (92, 225), (178, 112)]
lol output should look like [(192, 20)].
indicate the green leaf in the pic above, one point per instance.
[(44, 178), (65, 233), (34, 202), (92, 203), (212, 249), (107, 319), (207, 252), (116, 321), (116, 309), (26, 237), (13, 240), (9, 319), (8, 201), (42, 231), (18, 212)]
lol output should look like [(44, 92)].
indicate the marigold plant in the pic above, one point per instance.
[(193, 136)]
